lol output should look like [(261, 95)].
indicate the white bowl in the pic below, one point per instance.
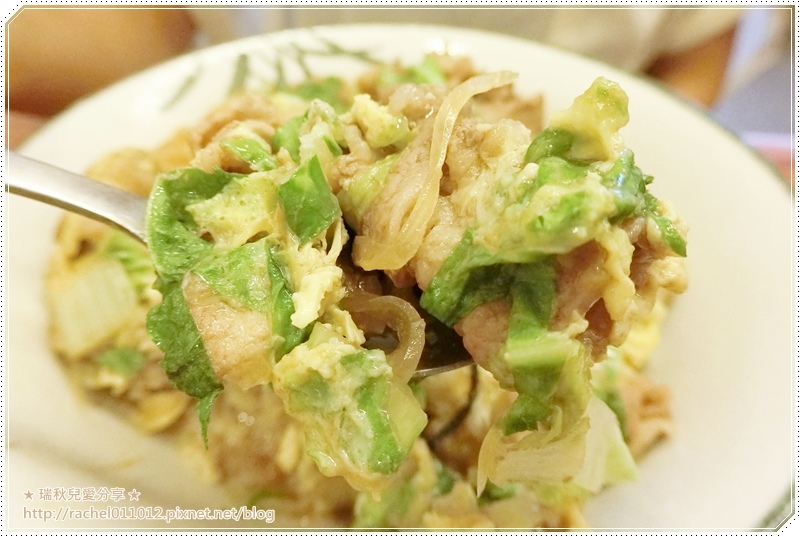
[(726, 351)]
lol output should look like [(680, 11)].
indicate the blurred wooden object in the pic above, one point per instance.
[(698, 73), (57, 55)]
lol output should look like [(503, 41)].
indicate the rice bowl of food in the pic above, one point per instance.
[(318, 200)]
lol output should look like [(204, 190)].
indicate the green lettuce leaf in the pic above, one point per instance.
[(134, 257), (669, 233), (171, 232), (308, 202), (172, 328), (125, 361), (252, 151), (469, 277)]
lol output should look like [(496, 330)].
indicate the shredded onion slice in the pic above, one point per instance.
[(373, 313), (390, 247), (451, 107)]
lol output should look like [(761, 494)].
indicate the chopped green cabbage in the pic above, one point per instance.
[(308, 204), (262, 248), (124, 361), (91, 304), (579, 179)]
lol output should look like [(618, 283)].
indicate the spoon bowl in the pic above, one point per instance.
[(443, 350)]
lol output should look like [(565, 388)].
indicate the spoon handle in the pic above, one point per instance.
[(60, 188)]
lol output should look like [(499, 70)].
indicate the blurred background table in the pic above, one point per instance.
[(761, 111)]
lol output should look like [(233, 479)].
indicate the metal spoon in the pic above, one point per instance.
[(126, 211), (75, 193)]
